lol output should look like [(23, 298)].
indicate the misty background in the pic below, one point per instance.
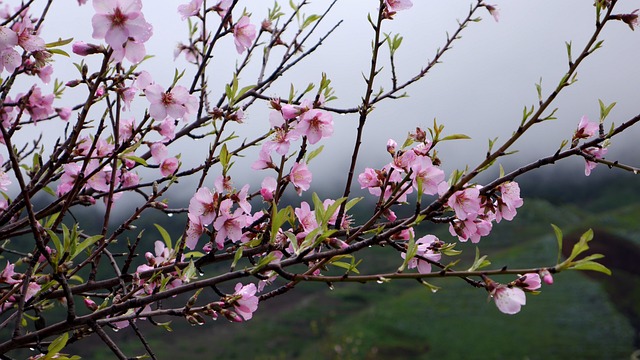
[(479, 89)]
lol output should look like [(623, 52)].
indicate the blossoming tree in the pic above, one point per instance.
[(125, 129)]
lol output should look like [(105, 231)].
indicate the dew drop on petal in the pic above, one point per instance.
[(170, 214)]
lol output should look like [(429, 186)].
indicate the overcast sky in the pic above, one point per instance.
[(480, 88)]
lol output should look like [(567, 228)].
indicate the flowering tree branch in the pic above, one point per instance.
[(254, 242)]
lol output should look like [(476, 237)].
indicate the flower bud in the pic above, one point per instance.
[(231, 315), (90, 304), (83, 49), (546, 276)]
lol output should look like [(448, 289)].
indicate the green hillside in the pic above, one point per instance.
[(581, 316)]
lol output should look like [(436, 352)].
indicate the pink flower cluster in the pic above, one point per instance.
[(427, 250), (412, 169), (10, 277), (207, 207), (123, 26), (511, 297), (97, 174), (290, 123), (22, 33)]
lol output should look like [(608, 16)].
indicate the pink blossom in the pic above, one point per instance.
[(45, 73), (4, 181), (315, 124), (509, 300), (203, 205), (9, 276), (64, 113), (10, 59), (247, 304), (32, 290), (176, 103), (268, 187), (306, 217), (430, 175), (169, 166), (39, 106), (118, 21), (470, 229), (223, 184), (229, 226), (300, 177), (369, 179), (159, 152), (493, 11), (466, 203), (397, 5), (194, 231), (144, 80), (241, 199), (243, 34), (27, 38), (222, 7), (597, 153), (131, 50), (425, 249), (529, 281), (264, 160), (125, 129), (190, 9), (101, 180), (167, 129), (129, 179), (586, 129), (509, 201), (68, 178)]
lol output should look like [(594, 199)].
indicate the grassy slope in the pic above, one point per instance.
[(574, 318)]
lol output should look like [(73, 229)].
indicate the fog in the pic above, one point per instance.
[(479, 89)]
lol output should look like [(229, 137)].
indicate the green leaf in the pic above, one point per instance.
[(314, 153), (59, 52), (605, 109), (455, 137), (263, 262), (347, 266), (412, 250), (190, 273), (479, 262), (558, 233), (309, 20), (165, 235), (165, 325), (590, 265), (56, 241), (60, 42), (236, 258), (56, 345), (278, 218), (85, 244), (138, 160), (429, 286), (244, 90), (224, 156)]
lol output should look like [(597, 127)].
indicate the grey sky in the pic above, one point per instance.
[(479, 89)]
